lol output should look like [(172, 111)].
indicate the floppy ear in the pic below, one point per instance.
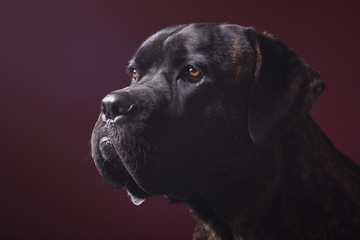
[(283, 90)]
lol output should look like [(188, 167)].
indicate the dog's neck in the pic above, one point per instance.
[(271, 187)]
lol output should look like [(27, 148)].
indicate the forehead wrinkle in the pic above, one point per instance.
[(151, 50), (186, 32), (174, 47), (190, 45), (192, 36), (162, 34)]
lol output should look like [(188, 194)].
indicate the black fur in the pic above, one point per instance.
[(236, 145)]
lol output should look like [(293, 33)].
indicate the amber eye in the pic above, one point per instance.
[(194, 74), (133, 74)]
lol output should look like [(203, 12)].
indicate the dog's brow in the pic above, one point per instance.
[(153, 49), (197, 58), (131, 63)]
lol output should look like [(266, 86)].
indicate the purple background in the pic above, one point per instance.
[(58, 59)]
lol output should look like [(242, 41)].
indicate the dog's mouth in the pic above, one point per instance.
[(140, 159), (111, 168)]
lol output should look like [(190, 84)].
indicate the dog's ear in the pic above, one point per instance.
[(283, 90)]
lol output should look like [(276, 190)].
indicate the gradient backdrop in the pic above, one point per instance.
[(58, 59)]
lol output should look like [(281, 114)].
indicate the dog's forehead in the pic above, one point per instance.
[(173, 41), (191, 43), (191, 34)]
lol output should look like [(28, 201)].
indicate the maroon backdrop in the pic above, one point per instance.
[(59, 58)]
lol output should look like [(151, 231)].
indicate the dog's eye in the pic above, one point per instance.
[(193, 74), (133, 74)]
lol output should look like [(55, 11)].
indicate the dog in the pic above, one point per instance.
[(216, 117)]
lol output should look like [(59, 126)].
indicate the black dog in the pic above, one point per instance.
[(216, 117)]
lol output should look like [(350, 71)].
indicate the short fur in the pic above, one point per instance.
[(237, 146)]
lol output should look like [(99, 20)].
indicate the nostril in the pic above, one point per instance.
[(122, 110), (128, 110)]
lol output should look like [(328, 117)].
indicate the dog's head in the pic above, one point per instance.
[(200, 95)]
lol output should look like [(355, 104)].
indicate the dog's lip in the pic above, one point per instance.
[(104, 140), (135, 192), (105, 143), (106, 147)]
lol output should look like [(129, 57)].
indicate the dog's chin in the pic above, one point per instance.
[(112, 170)]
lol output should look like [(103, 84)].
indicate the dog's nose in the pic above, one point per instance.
[(115, 105)]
